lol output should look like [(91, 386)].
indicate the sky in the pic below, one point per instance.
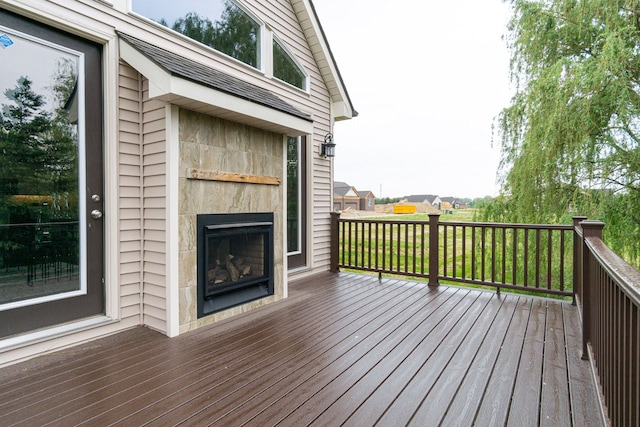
[(428, 78)]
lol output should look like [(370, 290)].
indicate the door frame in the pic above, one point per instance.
[(95, 72)]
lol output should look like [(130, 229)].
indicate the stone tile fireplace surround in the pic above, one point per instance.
[(226, 167)]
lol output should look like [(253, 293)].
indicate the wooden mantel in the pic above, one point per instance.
[(207, 175)]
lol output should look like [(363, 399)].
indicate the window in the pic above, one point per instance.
[(296, 201), (293, 195), (285, 68), (220, 24)]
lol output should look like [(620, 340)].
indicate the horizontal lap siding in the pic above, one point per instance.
[(280, 15), (154, 206), (129, 199), (142, 202)]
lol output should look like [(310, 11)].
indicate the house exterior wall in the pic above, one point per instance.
[(154, 212), (138, 282), (368, 203), (130, 222), (142, 201)]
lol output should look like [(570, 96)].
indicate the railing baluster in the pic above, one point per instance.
[(526, 257), (342, 224), (549, 253), (356, 245), (406, 248), (415, 249), (537, 257), (377, 245), (384, 246), (493, 254), (464, 252), (562, 251), (444, 247), (422, 249), (454, 254), (399, 251), (391, 246), (369, 245), (484, 251), (473, 253), (514, 258), (504, 254)]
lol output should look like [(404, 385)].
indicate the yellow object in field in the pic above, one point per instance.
[(404, 209)]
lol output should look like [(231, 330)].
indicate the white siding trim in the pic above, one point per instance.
[(170, 88), (283, 209), (173, 238), (111, 179)]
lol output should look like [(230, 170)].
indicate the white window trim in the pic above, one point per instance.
[(299, 236)]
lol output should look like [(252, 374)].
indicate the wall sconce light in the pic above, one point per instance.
[(328, 147)]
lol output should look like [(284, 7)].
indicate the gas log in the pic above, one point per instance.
[(228, 269)]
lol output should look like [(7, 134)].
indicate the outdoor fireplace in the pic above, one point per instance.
[(235, 260)]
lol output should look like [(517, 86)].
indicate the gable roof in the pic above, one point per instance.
[(366, 193), (420, 198), (342, 189), (341, 105)]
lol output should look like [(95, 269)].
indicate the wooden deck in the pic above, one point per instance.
[(344, 349)]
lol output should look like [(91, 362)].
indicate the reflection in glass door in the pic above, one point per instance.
[(43, 181), (40, 237)]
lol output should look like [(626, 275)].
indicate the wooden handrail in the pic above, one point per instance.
[(611, 325)]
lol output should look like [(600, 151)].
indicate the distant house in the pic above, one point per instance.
[(345, 196), (367, 200), (453, 203), (433, 200)]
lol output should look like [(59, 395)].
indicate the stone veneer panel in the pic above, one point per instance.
[(218, 145)]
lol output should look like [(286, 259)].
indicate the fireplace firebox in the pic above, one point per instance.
[(235, 260)]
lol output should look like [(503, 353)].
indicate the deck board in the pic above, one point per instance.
[(494, 404), (555, 407), (464, 406), (344, 349), (525, 399)]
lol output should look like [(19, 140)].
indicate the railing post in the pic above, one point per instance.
[(577, 259), (335, 242), (589, 229), (434, 252)]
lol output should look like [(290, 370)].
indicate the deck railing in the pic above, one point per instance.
[(549, 259), (610, 298), (528, 257)]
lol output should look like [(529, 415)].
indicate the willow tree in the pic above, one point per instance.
[(570, 137)]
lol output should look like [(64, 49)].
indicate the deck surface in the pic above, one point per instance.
[(343, 349)]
